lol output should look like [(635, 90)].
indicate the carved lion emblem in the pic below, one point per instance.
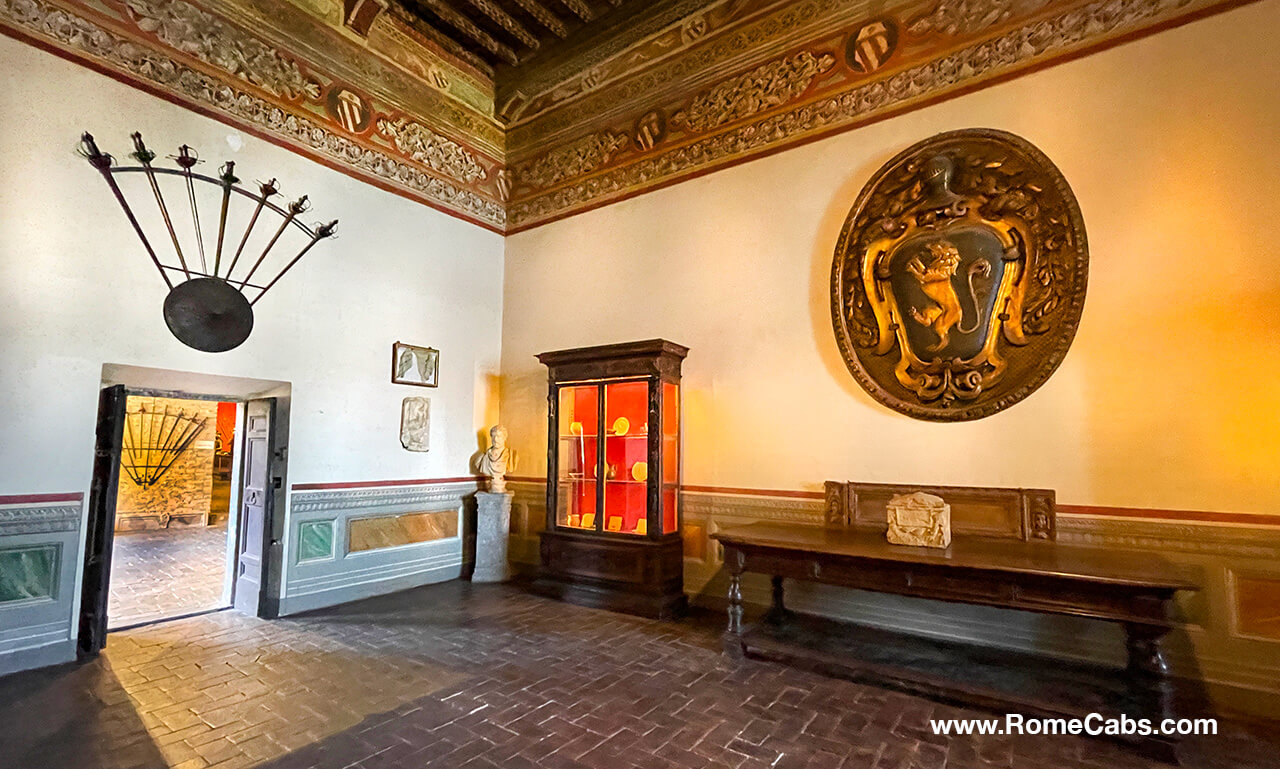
[(959, 278)]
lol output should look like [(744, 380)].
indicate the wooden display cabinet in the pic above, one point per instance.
[(613, 478)]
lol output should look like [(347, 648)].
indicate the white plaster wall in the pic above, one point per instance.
[(1170, 396), (77, 291)]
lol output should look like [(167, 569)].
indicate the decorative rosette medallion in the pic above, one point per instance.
[(959, 278)]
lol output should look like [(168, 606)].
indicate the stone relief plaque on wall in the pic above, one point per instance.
[(959, 277), (415, 424)]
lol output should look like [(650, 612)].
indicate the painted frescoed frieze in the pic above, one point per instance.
[(202, 59), (674, 90), (679, 124)]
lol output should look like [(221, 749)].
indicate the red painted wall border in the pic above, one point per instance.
[(382, 484), (31, 499)]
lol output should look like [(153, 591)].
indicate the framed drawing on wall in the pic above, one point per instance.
[(413, 365)]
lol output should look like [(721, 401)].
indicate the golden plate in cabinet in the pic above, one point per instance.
[(621, 425), (640, 471)]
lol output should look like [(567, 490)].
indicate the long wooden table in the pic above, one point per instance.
[(1038, 576)]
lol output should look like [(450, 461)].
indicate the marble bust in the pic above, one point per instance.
[(497, 460)]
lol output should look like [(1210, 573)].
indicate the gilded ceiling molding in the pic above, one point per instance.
[(964, 17), (691, 56), (392, 38), (580, 157), (404, 72), (767, 86), (535, 90), (206, 37), (942, 63), (229, 74), (430, 148)]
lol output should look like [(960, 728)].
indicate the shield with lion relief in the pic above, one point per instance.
[(959, 277)]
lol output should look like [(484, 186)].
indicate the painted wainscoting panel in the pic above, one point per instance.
[(376, 532), (1228, 633), (355, 542), (39, 541)]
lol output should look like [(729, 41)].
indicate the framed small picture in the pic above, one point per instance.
[(412, 365)]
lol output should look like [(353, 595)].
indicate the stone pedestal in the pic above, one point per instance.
[(493, 526)]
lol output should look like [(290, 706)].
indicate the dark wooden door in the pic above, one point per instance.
[(95, 589), (255, 505)]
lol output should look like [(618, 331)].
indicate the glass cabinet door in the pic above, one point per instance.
[(578, 454), (626, 467), (670, 457)]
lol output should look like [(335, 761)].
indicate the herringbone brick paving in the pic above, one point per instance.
[(481, 677), (164, 573)]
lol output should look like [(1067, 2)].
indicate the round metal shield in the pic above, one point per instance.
[(959, 277), (208, 315)]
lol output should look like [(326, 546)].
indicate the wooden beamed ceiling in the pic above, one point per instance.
[(495, 34)]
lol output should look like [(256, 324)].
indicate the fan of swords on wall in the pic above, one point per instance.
[(208, 306), (153, 441)]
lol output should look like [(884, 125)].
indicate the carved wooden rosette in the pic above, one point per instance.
[(959, 277)]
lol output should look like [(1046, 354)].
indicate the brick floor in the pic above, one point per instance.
[(480, 677), (165, 573)]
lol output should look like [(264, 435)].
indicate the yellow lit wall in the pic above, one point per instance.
[(1170, 396)]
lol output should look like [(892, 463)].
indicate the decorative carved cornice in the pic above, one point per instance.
[(202, 35), (404, 72), (580, 157), (677, 63), (693, 86), (430, 148), (409, 497), (229, 73), (1203, 539), (964, 17), (923, 69), (767, 86), (39, 519), (755, 508)]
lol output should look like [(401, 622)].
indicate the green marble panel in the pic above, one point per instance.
[(315, 540), (29, 573)]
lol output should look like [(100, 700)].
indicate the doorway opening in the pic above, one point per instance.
[(172, 538), (182, 503)]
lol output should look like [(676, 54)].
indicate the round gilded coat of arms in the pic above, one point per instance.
[(959, 277)]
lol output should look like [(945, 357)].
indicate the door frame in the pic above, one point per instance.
[(95, 583)]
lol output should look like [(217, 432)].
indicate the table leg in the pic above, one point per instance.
[(733, 633), (1143, 644), (778, 611), (1148, 668)]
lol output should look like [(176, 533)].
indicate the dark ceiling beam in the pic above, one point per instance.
[(506, 21), (420, 27), (469, 28), (580, 8), (545, 17)]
